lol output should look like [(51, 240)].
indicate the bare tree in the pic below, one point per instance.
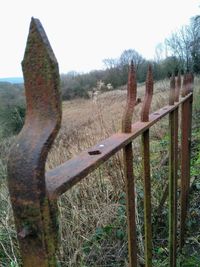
[(131, 55), (180, 46), (185, 45), (160, 52), (195, 43), (111, 63)]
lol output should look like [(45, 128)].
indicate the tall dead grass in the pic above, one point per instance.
[(95, 203), (92, 213)]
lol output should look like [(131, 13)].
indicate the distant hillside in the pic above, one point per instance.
[(12, 80), (11, 94)]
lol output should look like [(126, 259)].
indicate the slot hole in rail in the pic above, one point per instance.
[(94, 152)]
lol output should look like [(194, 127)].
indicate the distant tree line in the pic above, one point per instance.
[(179, 53), (184, 47), (76, 85)]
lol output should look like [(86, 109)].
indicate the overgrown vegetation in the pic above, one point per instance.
[(12, 109), (93, 222)]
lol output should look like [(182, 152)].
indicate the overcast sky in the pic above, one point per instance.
[(84, 32)]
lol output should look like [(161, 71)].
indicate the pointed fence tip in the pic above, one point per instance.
[(132, 68), (150, 68), (172, 82), (41, 73), (184, 87), (36, 22), (149, 78), (148, 95), (131, 78), (36, 36), (172, 90), (132, 63), (131, 99), (177, 87)]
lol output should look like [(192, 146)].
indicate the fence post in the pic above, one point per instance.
[(186, 123), (176, 158), (146, 169), (128, 167), (33, 213), (171, 171)]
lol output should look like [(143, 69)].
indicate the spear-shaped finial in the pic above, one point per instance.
[(41, 75), (148, 95), (177, 87), (131, 100), (190, 82), (184, 86), (26, 166), (172, 90)]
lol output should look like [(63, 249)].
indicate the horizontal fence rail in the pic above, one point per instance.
[(34, 193), (63, 177)]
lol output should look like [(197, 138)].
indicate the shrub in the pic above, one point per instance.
[(12, 119)]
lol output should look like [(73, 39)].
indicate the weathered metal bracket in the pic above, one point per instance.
[(36, 228)]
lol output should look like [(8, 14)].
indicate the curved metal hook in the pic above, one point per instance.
[(131, 100), (148, 96), (26, 166)]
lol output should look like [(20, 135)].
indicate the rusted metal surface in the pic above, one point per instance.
[(177, 87), (190, 81), (171, 174), (185, 90), (148, 96), (176, 160), (128, 167), (186, 120), (146, 169), (172, 91), (171, 171), (131, 100), (34, 194), (147, 198), (130, 204), (63, 177), (36, 228), (184, 169)]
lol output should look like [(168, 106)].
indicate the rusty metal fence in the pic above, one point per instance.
[(34, 193)]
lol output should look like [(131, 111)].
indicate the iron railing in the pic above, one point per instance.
[(34, 193)]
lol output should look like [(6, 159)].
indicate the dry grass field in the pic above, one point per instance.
[(93, 219), (93, 213), (86, 122)]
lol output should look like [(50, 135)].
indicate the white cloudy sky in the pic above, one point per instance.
[(84, 32)]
